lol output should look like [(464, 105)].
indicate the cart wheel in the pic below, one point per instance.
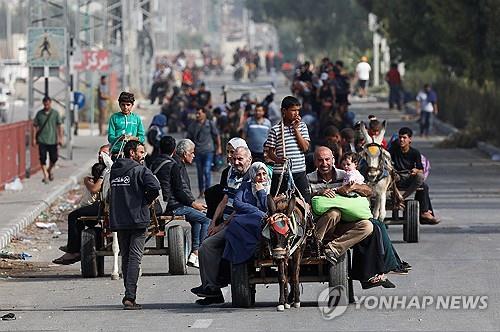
[(411, 227), (242, 293), (176, 250), (92, 265), (338, 273)]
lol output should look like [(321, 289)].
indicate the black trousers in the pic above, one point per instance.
[(300, 180), (75, 227), (415, 184), (131, 244)]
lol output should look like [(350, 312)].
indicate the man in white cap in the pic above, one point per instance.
[(363, 75)]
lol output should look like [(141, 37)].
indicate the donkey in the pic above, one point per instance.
[(380, 170), (280, 210)]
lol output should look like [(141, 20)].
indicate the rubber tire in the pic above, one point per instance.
[(91, 264), (99, 246), (338, 276), (176, 251), (338, 273), (411, 227), (242, 293)]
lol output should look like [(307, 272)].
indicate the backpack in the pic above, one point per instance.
[(160, 204), (427, 166)]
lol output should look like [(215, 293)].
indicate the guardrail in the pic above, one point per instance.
[(17, 156)]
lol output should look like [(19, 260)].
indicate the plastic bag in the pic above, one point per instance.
[(15, 185)]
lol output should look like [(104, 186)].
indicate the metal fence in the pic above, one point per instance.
[(15, 159)]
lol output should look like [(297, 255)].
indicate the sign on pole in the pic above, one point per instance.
[(46, 47), (94, 61)]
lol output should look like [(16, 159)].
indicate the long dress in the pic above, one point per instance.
[(244, 231)]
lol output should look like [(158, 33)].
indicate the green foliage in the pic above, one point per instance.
[(323, 27), (462, 34), (471, 108)]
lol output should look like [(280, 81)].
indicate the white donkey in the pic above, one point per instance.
[(379, 174), (116, 249)]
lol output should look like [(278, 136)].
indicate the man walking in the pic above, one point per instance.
[(203, 132), (48, 135), (426, 106), (102, 99), (255, 132), (363, 74), (133, 189), (393, 78)]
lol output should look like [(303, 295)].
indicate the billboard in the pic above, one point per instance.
[(98, 61), (46, 47)]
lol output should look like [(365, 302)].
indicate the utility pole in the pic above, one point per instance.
[(377, 38), (49, 18)]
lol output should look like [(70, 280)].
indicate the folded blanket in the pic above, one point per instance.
[(352, 209)]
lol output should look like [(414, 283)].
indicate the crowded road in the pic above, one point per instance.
[(456, 257)]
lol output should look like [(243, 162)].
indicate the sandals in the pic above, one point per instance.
[(129, 304), (376, 281), (66, 261), (330, 254)]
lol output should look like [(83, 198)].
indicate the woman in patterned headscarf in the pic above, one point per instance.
[(244, 230)]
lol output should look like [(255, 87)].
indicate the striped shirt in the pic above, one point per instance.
[(293, 151), (318, 184)]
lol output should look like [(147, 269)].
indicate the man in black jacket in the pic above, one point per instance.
[(133, 189), (171, 171)]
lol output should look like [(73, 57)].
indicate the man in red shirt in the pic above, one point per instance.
[(394, 80)]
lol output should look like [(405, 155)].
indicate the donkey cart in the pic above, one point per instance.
[(409, 217), (245, 277), (97, 242)]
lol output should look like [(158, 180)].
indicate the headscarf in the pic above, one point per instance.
[(237, 142), (252, 172)]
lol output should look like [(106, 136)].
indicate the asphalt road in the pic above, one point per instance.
[(455, 258)]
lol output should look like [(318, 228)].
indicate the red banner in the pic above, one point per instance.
[(94, 61)]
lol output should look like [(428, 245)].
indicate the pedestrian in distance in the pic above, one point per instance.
[(393, 78), (426, 107), (363, 69), (255, 132), (133, 189), (203, 132), (48, 135), (102, 103)]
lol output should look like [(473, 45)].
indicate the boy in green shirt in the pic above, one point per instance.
[(125, 125)]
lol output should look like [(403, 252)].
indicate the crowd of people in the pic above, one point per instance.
[(310, 140)]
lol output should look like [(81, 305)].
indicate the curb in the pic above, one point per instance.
[(448, 129), (28, 216), (444, 127)]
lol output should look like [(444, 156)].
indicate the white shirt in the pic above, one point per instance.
[(363, 70), (425, 105)]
